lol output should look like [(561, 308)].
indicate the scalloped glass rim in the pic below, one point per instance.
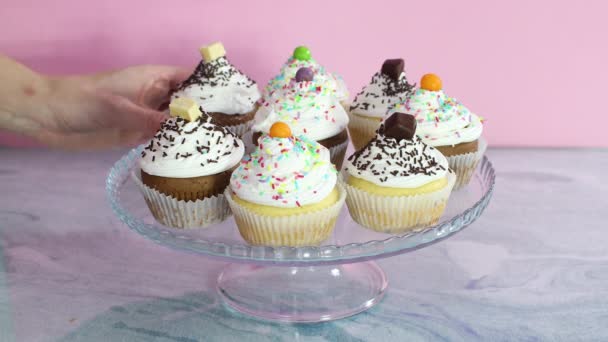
[(292, 256)]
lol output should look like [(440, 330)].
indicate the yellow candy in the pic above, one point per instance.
[(212, 51), (185, 108), (430, 82), (280, 130)]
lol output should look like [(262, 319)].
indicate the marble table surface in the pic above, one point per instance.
[(533, 267)]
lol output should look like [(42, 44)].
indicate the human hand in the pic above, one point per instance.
[(108, 109)]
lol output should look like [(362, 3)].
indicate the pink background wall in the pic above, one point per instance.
[(536, 70)]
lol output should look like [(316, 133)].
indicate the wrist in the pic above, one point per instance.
[(25, 103)]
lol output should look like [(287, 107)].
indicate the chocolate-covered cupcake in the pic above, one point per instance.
[(223, 91)]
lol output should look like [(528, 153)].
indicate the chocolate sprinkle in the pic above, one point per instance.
[(216, 73), (398, 88), (406, 160), (172, 129)]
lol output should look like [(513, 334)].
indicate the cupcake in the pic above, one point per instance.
[(302, 58), (286, 193), (307, 105), (225, 93), (397, 182), (388, 87), (447, 125), (186, 167)]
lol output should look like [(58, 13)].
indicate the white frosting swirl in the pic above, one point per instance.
[(334, 82), (309, 108), (442, 120), (219, 87), (380, 95), (341, 90), (285, 172), (183, 149), (405, 163)]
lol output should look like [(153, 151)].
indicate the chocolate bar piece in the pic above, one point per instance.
[(393, 68), (400, 126)]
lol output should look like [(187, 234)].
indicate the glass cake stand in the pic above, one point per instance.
[(304, 284)]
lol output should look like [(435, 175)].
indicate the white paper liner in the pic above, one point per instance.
[(465, 164), (397, 214), (241, 129), (361, 129), (337, 154), (345, 104), (183, 214), (307, 229)]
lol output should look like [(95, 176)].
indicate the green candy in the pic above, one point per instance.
[(301, 53)]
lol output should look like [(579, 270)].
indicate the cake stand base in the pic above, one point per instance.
[(302, 294)]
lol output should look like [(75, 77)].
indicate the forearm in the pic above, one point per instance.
[(24, 98)]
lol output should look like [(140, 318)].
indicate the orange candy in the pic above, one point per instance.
[(280, 130), (430, 82)]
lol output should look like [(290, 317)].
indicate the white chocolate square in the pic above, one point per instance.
[(212, 51), (185, 108)]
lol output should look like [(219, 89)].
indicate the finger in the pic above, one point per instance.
[(128, 115), (178, 76), (156, 95), (130, 82), (158, 91), (174, 75)]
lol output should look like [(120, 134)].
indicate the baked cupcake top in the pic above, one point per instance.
[(306, 104), (442, 120), (190, 145), (285, 171), (219, 87), (396, 157), (301, 58), (387, 88)]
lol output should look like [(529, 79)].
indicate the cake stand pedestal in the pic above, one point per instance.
[(303, 293)]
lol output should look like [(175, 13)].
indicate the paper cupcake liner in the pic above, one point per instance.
[(247, 140), (397, 214), (181, 214), (465, 164), (345, 104), (337, 154), (308, 229), (361, 129), (240, 129)]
